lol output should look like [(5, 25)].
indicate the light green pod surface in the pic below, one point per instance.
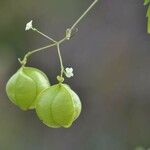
[(58, 106), (25, 85)]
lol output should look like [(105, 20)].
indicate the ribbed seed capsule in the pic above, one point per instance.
[(58, 106), (25, 85)]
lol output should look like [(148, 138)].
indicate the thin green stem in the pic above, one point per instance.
[(24, 61), (62, 40), (36, 30), (42, 48), (60, 59), (83, 15)]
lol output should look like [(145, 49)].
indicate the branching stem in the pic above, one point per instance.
[(69, 34)]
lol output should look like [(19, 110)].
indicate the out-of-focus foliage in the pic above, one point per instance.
[(147, 2)]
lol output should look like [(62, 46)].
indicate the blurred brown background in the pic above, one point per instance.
[(111, 59)]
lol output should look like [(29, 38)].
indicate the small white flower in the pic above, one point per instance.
[(69, 72), (28, 25)]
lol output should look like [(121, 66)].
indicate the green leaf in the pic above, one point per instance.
[(148, 20), (146, 2), (148, 12), (148, 25)]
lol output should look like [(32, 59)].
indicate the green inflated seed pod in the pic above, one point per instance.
[(25, 85), (58, 106)]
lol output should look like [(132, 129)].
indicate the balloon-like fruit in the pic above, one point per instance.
[(25, 85), (58, 106)]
